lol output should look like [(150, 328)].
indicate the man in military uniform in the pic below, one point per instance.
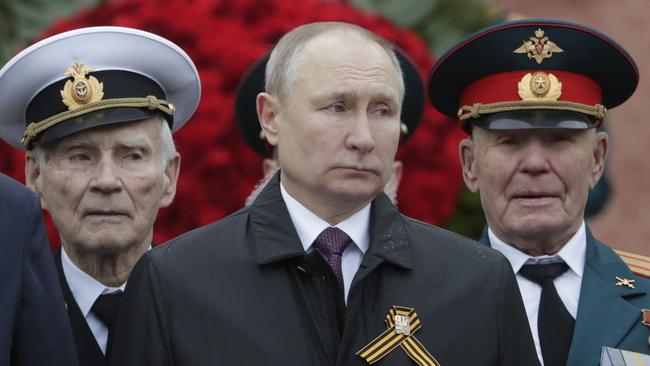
[(95, 108), (321, 269), (531, 94)]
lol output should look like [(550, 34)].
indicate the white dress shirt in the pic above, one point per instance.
[(85, 291), (568, 284), (309, 226)]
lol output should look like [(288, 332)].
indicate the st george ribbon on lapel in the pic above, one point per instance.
[(402, 323)]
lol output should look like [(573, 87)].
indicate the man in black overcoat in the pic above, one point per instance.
[(322, 269)]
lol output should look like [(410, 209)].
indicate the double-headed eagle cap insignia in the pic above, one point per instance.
[(532, 66), (539, 47)]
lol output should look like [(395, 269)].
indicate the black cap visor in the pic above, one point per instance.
[(533, 119), (97, 119)]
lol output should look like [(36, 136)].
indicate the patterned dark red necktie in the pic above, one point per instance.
[(331, 243)]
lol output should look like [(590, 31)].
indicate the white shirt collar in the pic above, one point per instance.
[(309, 225), (573, 253), (84, 288)]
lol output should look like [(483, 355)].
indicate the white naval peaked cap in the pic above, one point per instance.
[(91, 77)]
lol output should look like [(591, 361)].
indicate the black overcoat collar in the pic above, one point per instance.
[(275, 238)]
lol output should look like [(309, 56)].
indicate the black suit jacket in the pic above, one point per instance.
[(242, 291), (89, 352), (34, 328)]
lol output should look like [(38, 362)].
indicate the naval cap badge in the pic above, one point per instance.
[(82, 89)]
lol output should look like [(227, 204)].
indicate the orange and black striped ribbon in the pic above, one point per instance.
[(395, 337)]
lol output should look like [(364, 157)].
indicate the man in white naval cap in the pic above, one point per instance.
[(94, 109)]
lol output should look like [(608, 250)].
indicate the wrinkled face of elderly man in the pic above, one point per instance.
[(337, 130), (534, 182), (103, 186)]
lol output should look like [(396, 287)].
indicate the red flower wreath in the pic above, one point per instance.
[(224, 37)]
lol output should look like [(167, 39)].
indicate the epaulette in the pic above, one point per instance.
[(638, 264)]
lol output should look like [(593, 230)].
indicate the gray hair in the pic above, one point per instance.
[(282, 67), (167, 141), (168, 150)]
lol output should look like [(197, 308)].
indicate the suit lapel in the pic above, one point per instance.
[(87, 348), (604, 314)]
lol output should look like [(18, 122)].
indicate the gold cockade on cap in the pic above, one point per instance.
[(539, 86), (83, 89), (538, 90), (539, 47)]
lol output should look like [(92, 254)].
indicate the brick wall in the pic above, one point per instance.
[(625, 222)]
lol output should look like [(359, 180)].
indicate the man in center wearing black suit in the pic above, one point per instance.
[(322, 269)]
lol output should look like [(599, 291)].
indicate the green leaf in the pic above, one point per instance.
[(406, 13), (468, 218), (22, 20)]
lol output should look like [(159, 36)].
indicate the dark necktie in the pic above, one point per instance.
[(554, 323), (331, 242), (106, 308)]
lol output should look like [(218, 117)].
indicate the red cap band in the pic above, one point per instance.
[(502, 87)]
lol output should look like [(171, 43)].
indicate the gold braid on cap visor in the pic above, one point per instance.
[(477, 109), (150, 102), (537, 91)]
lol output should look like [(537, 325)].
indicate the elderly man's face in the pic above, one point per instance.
[(338, 129), (533, 183), (103, 186)]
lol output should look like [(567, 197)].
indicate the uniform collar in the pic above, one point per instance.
[(309, 225), (603, 261), (573, 253), (85, 289)]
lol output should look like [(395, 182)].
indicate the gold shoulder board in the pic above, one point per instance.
[(638, 264)]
